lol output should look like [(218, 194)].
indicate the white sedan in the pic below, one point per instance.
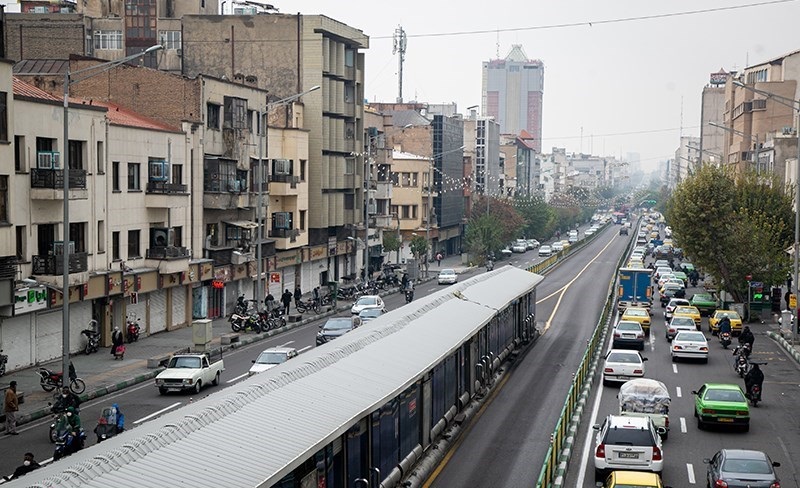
[(447, 277), (367, 302), (270, 358), (622, 365), (689, 344), (545, 251)]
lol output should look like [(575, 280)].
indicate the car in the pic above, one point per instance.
[(689, 311), (662, 263), (365, 302), (742, 468), (505, 253), (673, 303), (545, 251), (623, 231), (689, 344), (638, 314), (532, 244), (333, 328), (365, 316), (630, 443), (628, 333), (704, 302), (519, 246), (621, 365), (269, 358), (721, 404), (733, 316), (687, 267), (670, 291), (638, 479), (660, 270), (663, 278), (565, 243), (673, 282), (447, 276), (558, 246), (573, 238), (679, 323), (682, 276), (590, 231)]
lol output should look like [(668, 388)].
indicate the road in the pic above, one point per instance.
[(774, 424), (510, 436)]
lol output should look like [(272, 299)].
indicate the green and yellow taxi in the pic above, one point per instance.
[(633, 479), (637, 314), (688, 311), (721, 404), (733, 316)]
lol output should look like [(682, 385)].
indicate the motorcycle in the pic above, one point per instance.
[(725, 339), (741, 366), (110, 423), (92, 338), (237, 322), (50, 380), (3, 361), (409, 295), (133, 329), (241, 305), (754, 394), (68, 442), (489, 265), (253, 322), (742, 350)]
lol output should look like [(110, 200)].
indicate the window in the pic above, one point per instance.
[(349, 57), (302, 170), (19, 153), (108, 39), (101, 162), (134, 183), (3, 116), (101, 236), (349, 93), (76, 154), (406, 212), (22, 237), (115, 176), (414, 181), (221, 175), (235, 113), (170, 39), (393, 209), (406, 179), (396, 179), (77, 234), (115, 246), (212, 116), (177, 174), (212, 238), (177, 233), (349, 166), (158, 170), (133, 244), (349, 201), (303, 220), (4, 198), (250, 115)]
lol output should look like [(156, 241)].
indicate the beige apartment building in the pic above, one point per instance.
[(411, 174)]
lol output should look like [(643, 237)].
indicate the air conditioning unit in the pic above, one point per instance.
[(40, 10), (48, 160), (281, 166), (161, 236), (179, 51), (787, 131)]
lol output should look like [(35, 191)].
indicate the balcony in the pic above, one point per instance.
[(165, 188), (290, 234), (53, 265), (167, 252), (383, 190), (168, 259), (383, 222), (48, 184), (161, 194), (283, 185)]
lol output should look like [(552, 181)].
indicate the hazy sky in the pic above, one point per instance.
[(610, 79)]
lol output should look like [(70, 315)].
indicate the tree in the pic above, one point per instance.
[(510, 221), (483, 237), (733, 226), (539, 217), (391, 243), (419, 247)]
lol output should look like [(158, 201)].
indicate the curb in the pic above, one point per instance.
[(785, 345)]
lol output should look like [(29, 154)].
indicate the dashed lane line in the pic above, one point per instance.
[(678, 391), (683, 425), (675, 368), (237, 378), (690, 473)]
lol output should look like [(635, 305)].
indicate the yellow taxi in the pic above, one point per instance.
[(733, 316), (688, 311), (637, 479), (654, 235), (637, 314)]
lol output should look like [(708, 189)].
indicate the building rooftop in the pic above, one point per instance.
[(27, 90), (118, 115)]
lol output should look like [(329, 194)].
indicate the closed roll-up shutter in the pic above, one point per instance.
[(48, 335), (158, 311), (178, 306), (288, 278), (139, 311)]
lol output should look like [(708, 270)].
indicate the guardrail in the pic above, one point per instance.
[(558, 454)]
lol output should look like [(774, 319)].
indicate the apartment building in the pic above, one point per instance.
[(482, 139), (521, 166), (411, 174)]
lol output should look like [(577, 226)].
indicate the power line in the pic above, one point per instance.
[(594, 22)]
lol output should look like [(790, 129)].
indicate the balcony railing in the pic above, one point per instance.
[(53, 265), (167, 252), (284, 233), (164, 187), (291, 179), (54, 178)]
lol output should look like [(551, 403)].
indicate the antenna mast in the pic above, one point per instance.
[(399, 48)]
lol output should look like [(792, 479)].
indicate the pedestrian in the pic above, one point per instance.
[(10, 408), (439, 259), (286, 299), (786, 298), (28, 465), (269, 303), (116, 340), (298, 294)]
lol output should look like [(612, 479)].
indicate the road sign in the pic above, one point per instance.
[(756, 284), (792, 301)]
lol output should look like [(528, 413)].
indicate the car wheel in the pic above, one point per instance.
[(216, 379), (746, 428), (700, 425), (162, 390), (705, 360), (197, 387), (674, 359), (599, 475), (606, 382)]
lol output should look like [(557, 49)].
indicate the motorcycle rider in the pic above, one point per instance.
[(753, 377), (724, 326), (409, 291), (67, 400), (747, 337), (404, 281)]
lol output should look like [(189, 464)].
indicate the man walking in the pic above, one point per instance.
[(10, 408), (298, 295), (439, 260), (286, 299)]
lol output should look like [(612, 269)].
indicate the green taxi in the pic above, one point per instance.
[(704, 302), (721, 404)]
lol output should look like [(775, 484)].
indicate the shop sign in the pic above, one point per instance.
[(28, 300)]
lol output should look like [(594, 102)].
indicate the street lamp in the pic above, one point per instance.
[(753, 156), (70, 78), (794, 105), (264, 120)]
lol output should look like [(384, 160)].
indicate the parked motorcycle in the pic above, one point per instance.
[(3, 361), (133, 329), (237, 322), (50, 380), (252, 322), (725, 339), (92, 338), (241, 305)]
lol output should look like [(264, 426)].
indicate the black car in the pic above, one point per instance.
[(333, 328), (671, 292), (623, 231), (740, 468)]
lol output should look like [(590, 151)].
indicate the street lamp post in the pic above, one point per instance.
[(794, 105), (263, 117), (70, 78)]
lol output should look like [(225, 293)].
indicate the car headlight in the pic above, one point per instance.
[(159, 382), (187, 381)]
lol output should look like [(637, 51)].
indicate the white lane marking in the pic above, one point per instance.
[(286, 344), (154, 414), (678, 391), (683, 425), (587, 443), (237, 378), (300, 351), (690, 473), (652, 342), (675, 368)]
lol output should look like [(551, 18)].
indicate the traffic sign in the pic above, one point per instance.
[(756, 284), (792, 301)]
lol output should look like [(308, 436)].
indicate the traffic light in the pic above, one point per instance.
[(775, 300)]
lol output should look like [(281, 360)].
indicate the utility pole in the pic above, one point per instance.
[(367, 182), (399, 48)]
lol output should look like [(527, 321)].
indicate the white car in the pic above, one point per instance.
[(590, 231), (269, 358), (545, 251), (367, 302), (679, 323), (447, 277), (689, 344), (672, 305), (519, 246), (622, 365), (627, 443), (532, 244), (558, 246)]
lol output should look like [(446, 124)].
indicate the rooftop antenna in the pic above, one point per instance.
[(497, 45), (399, 48)]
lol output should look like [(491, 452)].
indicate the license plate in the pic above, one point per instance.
[(724, 419), (628, 455)]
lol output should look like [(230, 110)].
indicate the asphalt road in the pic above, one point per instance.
[(774, 425), (506, 444)]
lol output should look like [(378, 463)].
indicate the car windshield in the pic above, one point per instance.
[(184, 362), (366, 301), (623, 357), (704, 297), (370, 313), (691, 336), (686, 310), (636, 313), (676, 303), (682, 321), (271, 358), (338, 324), (750, 466), (629, 326), (446, 272), (629, 437), (714, 395), (730, 315)]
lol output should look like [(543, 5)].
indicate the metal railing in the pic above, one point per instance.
[(51, 265), (164, 187), (54, 178), (167, 252)]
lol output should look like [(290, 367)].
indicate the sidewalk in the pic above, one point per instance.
[(104, 375)]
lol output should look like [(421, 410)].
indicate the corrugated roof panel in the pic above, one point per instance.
[(254, 432)]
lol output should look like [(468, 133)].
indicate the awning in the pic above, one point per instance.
[(245, 224)]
